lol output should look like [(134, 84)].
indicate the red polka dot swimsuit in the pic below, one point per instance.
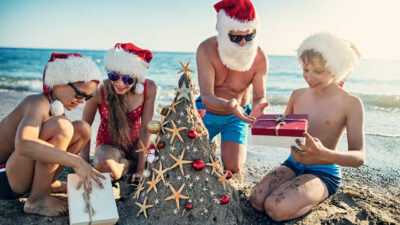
[(104, 133)]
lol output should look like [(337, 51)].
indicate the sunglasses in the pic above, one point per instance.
[(79, 95), (237, 38), (114, 77)]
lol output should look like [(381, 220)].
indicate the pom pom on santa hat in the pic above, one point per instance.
[(236, 15), (129, 60), (340, 57), (64, 68)]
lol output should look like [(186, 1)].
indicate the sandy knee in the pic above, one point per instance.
[(82, 129), (59, 130), (274, 209), (257, 199)]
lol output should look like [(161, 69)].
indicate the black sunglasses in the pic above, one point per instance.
[(237, 38), (79, 95), (115, 76)]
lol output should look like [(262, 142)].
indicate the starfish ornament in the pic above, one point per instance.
[(153, 184), (160, 173), (144, 149), (171, 108), (143, 208), (185, 68), (176, 195), (215, 165), (222, 179), (184, 92), (179, 162), (139, 189), (175, 131)]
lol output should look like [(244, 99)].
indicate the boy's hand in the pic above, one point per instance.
[(306, 153), (137, 176)]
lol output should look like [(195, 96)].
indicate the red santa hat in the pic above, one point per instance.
[(64, 68), (340, 57), (128, 59), (236, 15)]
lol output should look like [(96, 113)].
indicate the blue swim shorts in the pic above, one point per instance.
[(230, 127), (329, 174)]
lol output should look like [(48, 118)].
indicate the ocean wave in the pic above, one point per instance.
[(384, 101), (383, 135), (21, 84)]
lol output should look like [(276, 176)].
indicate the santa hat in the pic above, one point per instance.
[(64, 68), (236, 15), (128, 59), (339, 56)]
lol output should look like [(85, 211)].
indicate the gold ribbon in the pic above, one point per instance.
[(89, 207), (280, 120)]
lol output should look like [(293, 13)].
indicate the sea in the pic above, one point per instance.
[(375, 81)]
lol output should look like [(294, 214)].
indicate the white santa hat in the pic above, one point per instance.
[(129, 60), (339, 56), (64, 68), (236, 15)]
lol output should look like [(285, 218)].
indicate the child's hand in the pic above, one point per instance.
[(308, 153)]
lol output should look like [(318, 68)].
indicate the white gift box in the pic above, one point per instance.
[(101, 200), (276, 141)]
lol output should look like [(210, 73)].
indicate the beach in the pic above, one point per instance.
[(369, 195)]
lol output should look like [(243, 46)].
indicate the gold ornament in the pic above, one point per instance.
[(153, 126), (199, 130)]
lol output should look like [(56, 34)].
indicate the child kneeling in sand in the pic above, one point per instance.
[(312, 172), (125, 103), (36, 138)]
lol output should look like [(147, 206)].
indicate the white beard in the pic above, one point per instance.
[(235, 57)]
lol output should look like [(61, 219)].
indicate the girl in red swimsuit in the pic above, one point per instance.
[(124, 101)]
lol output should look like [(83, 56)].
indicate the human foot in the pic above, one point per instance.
[(45, 206), (58, 187)]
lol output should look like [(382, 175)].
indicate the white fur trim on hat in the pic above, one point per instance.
[(339, 56), (226, 23), (125, 63), (70, 70), (56, 108)]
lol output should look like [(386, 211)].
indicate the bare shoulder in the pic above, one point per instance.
[(207, 45), (299, 92), (38, 103), (151, 87), (352, 102)]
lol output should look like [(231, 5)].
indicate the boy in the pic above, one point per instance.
[(35, 138), (312, 171)]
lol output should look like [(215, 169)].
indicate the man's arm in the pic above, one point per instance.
[(259, 83)]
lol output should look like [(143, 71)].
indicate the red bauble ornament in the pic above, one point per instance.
[(189, 205), (198, 164), (192, 134), (228, 174), (152, 147), (161, 144), (224, 199), (202, 112)]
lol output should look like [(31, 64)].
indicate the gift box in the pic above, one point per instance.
[(279, 130), (100, 203)]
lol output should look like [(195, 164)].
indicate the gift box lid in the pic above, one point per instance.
[(292, 125)]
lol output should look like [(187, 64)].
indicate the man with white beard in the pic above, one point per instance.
[(228, 65)]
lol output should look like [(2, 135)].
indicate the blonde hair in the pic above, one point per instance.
[(308, 56)]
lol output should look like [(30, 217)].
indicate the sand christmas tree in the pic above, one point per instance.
[(184, 182)]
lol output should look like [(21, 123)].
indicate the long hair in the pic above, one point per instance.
[(118, 121)]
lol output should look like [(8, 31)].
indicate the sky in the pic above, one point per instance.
[(172, 25)]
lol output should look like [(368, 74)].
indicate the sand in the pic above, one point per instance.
[(368, 195)]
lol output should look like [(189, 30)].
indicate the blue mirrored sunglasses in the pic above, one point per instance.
[(115, 77)]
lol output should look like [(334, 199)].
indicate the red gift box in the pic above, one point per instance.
[(279, 129)]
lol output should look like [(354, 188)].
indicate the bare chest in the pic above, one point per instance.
[(233, 80)]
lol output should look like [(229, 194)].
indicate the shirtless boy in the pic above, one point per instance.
[(36, 138), (312, 172)]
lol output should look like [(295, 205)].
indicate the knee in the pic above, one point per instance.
[(234, 167), (63, 129), (83, 130), (274, 209), (257, 199)]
